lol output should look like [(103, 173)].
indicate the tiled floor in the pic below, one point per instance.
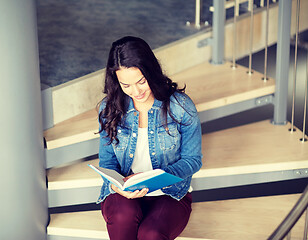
[(75, 35)]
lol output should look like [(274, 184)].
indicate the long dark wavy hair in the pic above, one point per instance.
[(130, 52)]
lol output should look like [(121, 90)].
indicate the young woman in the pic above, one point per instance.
[(146, 122)]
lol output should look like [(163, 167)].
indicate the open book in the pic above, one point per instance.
[(153, 180)]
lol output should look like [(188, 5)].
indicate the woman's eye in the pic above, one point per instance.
[(125, 86), (143, 81)]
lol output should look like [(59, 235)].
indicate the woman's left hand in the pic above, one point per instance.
[(130, 195)]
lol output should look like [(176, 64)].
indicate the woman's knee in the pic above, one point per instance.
[(121, 211)]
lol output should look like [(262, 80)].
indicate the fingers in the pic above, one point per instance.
[(128, 177), (130, 195), (137, 193)]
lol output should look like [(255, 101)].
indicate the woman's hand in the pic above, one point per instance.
[(127, 194), (130, 195)]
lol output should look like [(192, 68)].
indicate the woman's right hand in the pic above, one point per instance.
[(130, 195)]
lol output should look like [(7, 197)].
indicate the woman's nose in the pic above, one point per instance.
[(135, 91)]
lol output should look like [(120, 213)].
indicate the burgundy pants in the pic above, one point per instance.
[(147, 218)]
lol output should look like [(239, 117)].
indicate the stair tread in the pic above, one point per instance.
[(250, 218), (212, 86), (226, 152), (209, 86), (75, 175), (253, 148), (76, 129)]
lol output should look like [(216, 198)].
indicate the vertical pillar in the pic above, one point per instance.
[(219, 17), (282, 62), (23, 213)]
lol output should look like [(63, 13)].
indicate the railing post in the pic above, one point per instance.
[(24, 207), (291, 219), (282, 62), (219, 17), (198, 14), (306, 226)]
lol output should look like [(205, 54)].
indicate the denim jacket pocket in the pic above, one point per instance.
[(168, 138)]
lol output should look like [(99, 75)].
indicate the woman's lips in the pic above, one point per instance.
[(140, 96)]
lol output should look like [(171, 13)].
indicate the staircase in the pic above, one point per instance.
[(253, 153)]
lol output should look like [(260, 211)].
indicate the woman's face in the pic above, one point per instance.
[(134, 84)]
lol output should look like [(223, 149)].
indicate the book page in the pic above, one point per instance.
[(111, 175), (142, 176)]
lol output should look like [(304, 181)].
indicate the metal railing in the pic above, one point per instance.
[(285, 227)]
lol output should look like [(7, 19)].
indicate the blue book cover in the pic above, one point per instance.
[(153, 180)]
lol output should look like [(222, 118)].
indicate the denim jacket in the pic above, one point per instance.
[(177, 152)]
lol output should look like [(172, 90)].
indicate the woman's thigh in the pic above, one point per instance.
[(164, 217), (122, 216)]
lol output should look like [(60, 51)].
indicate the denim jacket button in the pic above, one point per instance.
[(119, 131), (131, 155), (153, 153), (134, 134), (151, 132), (151, 111)]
